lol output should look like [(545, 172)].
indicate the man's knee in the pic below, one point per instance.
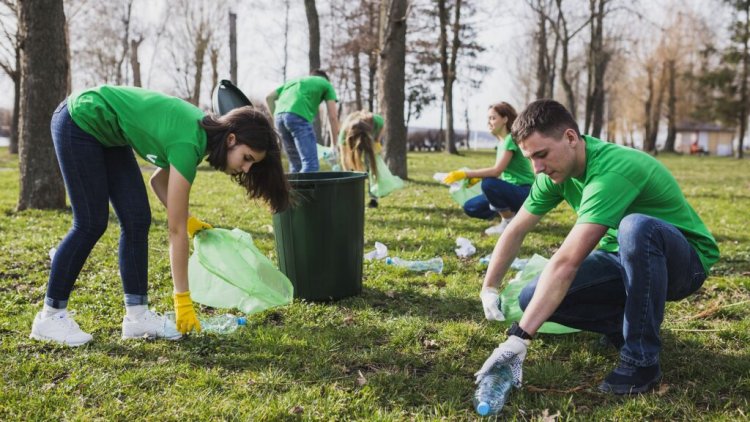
[(633, 231)]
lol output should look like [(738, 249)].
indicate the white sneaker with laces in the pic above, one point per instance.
[(59, 328), (498, 229), (149, 325)]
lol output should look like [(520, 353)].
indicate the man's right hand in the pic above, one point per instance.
[(491, 304)]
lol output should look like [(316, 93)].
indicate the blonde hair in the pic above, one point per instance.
[(358, 142)]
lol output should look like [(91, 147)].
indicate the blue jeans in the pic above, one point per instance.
[(298, 138), (497, 195), (625, 292), (93, 176)]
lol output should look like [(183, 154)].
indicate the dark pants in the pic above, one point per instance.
[(626, 292), (95, 175), (497, 195)]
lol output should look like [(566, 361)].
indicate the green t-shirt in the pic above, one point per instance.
[(162, 129), (377, 123), (518, 171), (620, 181), (302, 96)]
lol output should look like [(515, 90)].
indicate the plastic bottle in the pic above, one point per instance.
[(222, 324), (219, 324), (434, 264), (493, 390)]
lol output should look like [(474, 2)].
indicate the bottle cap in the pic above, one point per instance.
[(483, 408), (241, 321), (389, 260)]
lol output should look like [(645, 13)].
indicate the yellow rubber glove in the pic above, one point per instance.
[(194, 226), (474, 180), (377, 147), (185, 318), (454, 177)]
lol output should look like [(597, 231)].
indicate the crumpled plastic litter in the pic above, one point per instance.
[(465, 248), (518, 264), (380, 252)]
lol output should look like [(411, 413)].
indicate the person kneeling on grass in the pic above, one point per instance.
[(503, 195), (653, 247), (95, 133), (359, 141)]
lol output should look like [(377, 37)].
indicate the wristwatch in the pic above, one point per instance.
[(515, 330)]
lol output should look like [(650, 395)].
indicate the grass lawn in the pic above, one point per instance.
[(405, 349)]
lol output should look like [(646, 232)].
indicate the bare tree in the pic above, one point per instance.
[(598, 60), (193, 30), (392, 80), (44, 83), (313, 27), (448, 64), (10, 62)]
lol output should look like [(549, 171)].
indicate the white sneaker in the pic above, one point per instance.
[(150, 325), (59, 328), (498, 229)]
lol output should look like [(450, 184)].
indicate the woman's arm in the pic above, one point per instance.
[(177, 195), (159, 182), (494, 171)]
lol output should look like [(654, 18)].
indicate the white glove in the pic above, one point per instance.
[(491, 304), (512, 353)]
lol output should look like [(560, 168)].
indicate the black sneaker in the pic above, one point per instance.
[(629, 379), (373, 203)]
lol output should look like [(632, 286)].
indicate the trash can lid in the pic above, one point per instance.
[(228, 97)]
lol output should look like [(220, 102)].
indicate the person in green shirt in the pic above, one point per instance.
[(504, 185), (95, 133), (359, 141), (294, 106), (652, 247)]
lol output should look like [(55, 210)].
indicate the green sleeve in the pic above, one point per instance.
[(543, 197), (330, 93), (184, 157)]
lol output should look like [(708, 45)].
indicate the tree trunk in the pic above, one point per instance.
[(565, 41), (313, 27), (598, 96), (233, 46), (542, 68), (201, 44), (214, 57), (14, 127), (392, 82), (44, 83), (135, 64), (313, 54), (648, 105), (448, 67), (357, 79), (125, 44), (372, 58), (671, 108), (743, 84)]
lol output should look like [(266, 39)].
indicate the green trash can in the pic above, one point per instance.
[(320, 240)]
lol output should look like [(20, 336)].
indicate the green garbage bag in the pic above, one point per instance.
[(227, 270), (463, 192), (385, 182), (509, 296)]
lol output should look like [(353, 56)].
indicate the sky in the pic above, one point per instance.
[(260, 58), (260, 43)]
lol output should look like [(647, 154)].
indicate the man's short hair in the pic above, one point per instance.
[(320, 72), (548, 117)]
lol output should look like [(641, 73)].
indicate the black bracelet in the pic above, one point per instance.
[(516, 330)]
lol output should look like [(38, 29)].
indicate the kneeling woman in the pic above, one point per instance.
[(506, 194), (95, 133)]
